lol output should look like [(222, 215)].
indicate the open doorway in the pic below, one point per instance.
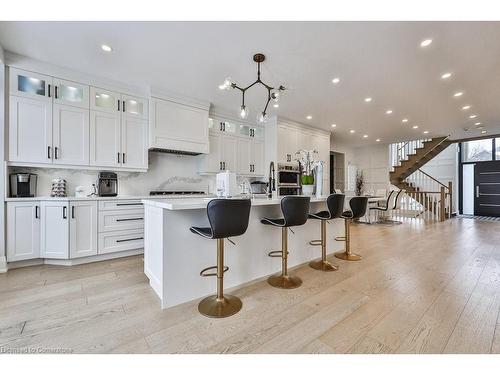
[(337, 171)]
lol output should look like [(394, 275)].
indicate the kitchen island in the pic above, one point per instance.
[(174, 256)]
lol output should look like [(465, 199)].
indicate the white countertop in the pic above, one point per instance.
[(119, 197), (198, 203)]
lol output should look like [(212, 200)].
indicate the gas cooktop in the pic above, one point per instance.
[(167, 192)]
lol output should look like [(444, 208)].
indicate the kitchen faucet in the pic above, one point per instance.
[(271, 184)]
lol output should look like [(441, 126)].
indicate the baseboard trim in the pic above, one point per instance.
[(72, 262)]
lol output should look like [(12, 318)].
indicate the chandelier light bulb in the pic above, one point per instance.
[(226, 85), (275, 96), (262, 118), (243, 112)]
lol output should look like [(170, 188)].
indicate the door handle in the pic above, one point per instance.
[(49, 95), (64, 213), (118, 105), (477, 191), (49, 154), (55, 152), (224, 165), (130, 219), (123, 107), (220, 166), (55, 88), (72, 212), (118, 158), (36, 212), (131, 239), (123, 156)]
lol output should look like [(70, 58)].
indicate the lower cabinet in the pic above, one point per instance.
[(111, 242), (83, 229), (54, 238), (23, 231)]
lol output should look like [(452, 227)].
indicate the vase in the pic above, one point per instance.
[(307, 189)]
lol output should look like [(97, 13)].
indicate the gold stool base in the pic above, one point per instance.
[(284, 282), (214, 308), (343, 255), (323, 265)]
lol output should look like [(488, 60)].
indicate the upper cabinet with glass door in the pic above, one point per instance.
[(135, 107), (29, 84), (104, 100), (71, 93)]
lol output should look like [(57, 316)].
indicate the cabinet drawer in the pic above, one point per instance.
[(111, 242), (121, 219), (120, 204)]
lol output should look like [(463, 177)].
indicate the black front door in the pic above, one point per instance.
[(487, 188)]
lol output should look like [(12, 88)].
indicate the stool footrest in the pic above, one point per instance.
[(341, 238), (316, 243), (204, 274), (276, 254)]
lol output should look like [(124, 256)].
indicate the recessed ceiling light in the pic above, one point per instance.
[(480, 127), (365, 136), (445, 75), (404, 120), (457, 94), (425, 42), (415, 126), (426, 132), (466, 107), (106, 48), (352, 131), (483, 131), (389, 111), (368, 100), (335, 80), (377, 140), (309, 117), (276, 105), (472, 116), (477, 123), (334, 125)]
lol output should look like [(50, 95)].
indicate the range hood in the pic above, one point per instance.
[(177, 152)]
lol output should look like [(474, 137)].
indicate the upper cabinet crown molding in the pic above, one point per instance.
[(163, 94)]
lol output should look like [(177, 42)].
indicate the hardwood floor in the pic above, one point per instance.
[(420, 288)]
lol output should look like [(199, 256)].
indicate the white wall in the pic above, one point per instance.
[(374, 162), (349, 162), (166, 172)]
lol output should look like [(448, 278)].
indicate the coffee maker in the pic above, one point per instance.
[(23, 185), (107, 184)]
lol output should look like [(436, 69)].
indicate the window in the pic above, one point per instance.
[(480, 150), (497, 148)]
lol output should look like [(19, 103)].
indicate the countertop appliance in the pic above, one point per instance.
[(171, 192), (107, 184), (259, 187), (23, 185), (318, 178), (226, 184)]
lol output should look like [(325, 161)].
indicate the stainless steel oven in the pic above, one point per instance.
[(288, 179)]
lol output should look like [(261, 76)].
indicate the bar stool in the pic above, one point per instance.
[(295, 210), (335, 204), (227, 218), (358, 210)]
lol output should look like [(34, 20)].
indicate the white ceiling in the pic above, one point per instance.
[(382, 60)]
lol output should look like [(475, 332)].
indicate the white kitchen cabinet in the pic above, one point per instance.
[(104, 100), (83, 229), (30, 130), (257, 157), (121, 219), (23, 230), (30, 85), (105, 144), (112, 242), (223, 154), (179, 127), (71, 135), (54, 237), (134, 142), (229, 153), (288, 143), (211, 163), (71, 93), (133, 106), (244, 156)]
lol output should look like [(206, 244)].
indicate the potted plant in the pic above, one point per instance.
[(307, 164)]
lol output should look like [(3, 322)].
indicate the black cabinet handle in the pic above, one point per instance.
[(123, 157), (129, 204), (72, 212), (131, 239), (65, 215), (49, 155), (124, 106), (131, 219), (220, 166), (224, 165), (36, 212), (118, 158), (55, 152), (49, 95), (118, 105), (55, 88)]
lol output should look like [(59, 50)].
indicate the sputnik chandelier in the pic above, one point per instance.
[(272, 93)]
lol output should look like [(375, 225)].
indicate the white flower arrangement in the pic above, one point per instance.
[(307, 161)]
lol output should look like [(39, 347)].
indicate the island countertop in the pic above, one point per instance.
[(198, 203)]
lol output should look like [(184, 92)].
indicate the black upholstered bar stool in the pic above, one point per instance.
[(227, 218), (358, 209), (295, 210), (335, 205)]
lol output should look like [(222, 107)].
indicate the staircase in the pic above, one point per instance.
[(426, 192)]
